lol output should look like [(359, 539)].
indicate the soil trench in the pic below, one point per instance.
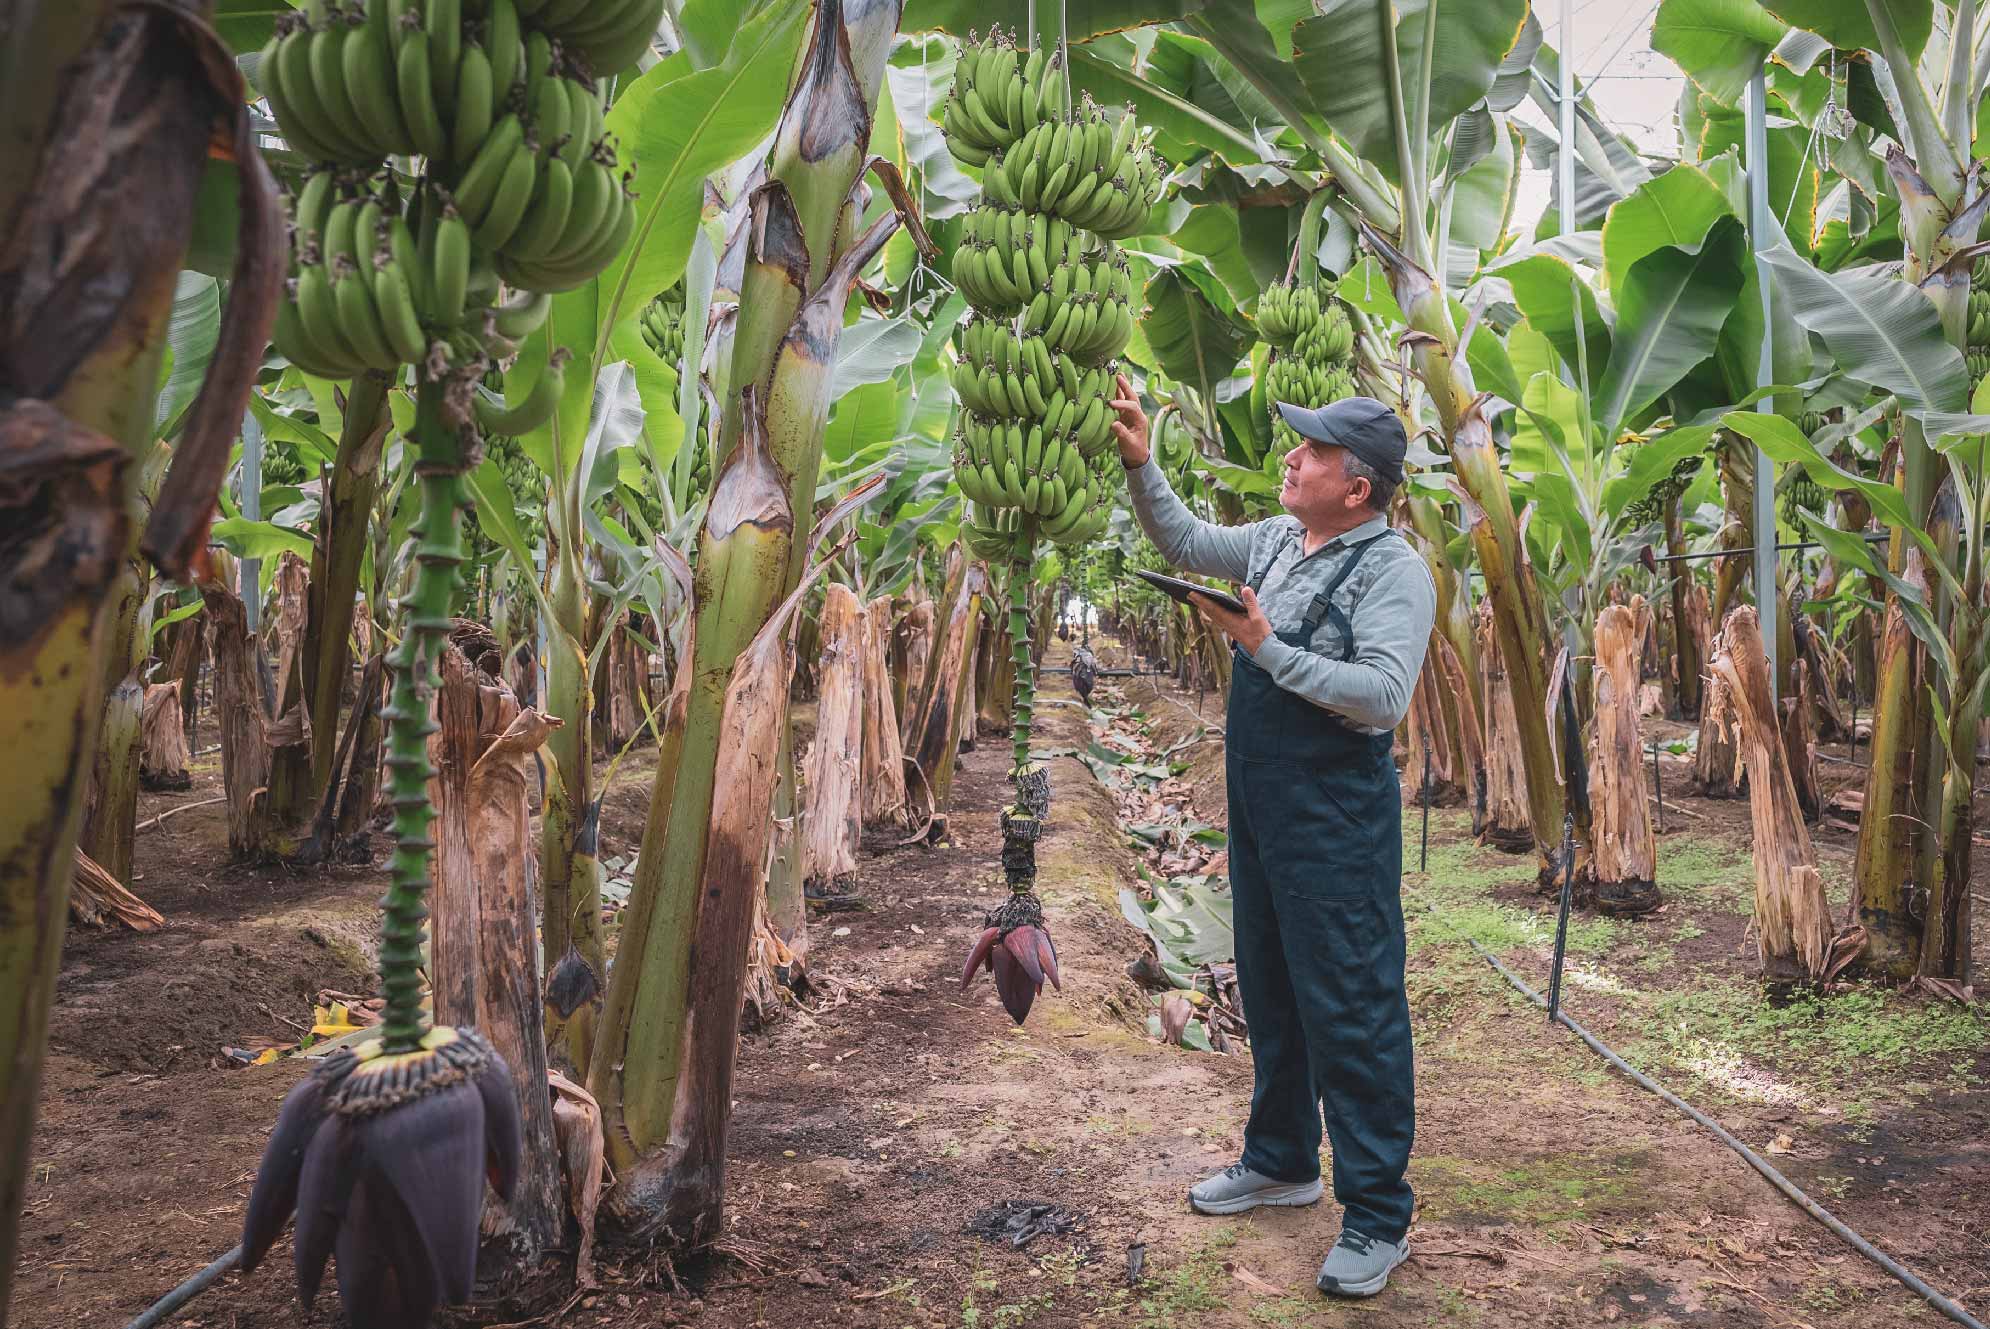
[(878, 1123)]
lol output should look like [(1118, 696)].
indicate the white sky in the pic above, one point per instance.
[(1635, 89)]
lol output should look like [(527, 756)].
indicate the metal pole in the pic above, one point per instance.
[(1562, 918), (1565, 119), (251, 495), (1423, 851), (1658, 786), (1762, 231)]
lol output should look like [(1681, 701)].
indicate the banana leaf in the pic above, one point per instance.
[(1340, 56), (1719, 43), (1882, 331)]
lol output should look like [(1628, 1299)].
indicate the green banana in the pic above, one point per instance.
[(393, 299), (479, 184), (368, 55), (545, 220), (535, 410), (352, 294), (476, 103), (414, 86), (442, 20), (513, 197)]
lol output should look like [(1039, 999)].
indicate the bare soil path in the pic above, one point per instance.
[(875, 1124)]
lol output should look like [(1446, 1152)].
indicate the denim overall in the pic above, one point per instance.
[(1315, 875)]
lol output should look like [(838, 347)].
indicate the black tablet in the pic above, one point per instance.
[(1179, 589)]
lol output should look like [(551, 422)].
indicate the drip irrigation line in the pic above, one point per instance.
[(163, 1308), (1870, 537), (175, 811), (1775, 1178)]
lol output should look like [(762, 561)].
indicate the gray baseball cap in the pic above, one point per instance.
[(1362, 425)]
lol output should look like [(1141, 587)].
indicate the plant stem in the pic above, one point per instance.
[(438, 555), (1021, 560)]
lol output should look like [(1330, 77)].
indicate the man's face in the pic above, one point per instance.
[(1316, 488)]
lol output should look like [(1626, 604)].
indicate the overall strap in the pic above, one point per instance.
[(1254, 576), (1323, 607)]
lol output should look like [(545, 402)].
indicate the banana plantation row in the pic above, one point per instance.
[(469, 381)]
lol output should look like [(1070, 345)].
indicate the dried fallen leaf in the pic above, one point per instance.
[(1254, 1282)]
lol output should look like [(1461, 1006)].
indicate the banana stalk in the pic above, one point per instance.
[(792, 306), (1907, 833), (570, 911), (104, 122), (335, 559), (1685, 646), (438, 553)]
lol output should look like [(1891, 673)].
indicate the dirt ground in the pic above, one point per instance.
[(875, 1124)]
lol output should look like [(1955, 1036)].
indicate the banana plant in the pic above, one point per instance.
[(1902, 330), (662, 1064), (683, 119), (81, 386), (1593, 368)]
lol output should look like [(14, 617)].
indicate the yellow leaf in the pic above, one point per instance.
[(265, 1057)]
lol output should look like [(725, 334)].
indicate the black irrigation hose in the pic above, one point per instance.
[(1753, 1159), (163, 1308)]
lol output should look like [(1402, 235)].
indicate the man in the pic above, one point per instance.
[(1337, 613)]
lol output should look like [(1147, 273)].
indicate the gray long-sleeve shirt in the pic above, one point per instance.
[(1389, 599)]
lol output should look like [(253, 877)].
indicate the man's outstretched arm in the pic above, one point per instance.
[(1183, 538)]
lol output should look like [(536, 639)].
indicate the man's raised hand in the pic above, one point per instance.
[(1131, 427)]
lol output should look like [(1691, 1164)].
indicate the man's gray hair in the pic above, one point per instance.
[(1380, 488)]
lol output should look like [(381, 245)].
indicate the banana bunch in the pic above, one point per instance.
[(1652, 507), (542, 192), (1979, 365), (1092, 320), (1312, 360), (606, 35), (1800, 493), (1008, 255), (1053, 295), (1287, 309), (1979, 316), (1330, 338), (1094, 174), (1811, 422), (998, 96), (391, 78), (1003, 464), (1303, 383), (1000, 374), (663, 325), (369, 290)]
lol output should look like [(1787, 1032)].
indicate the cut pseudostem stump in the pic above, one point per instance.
[(1506, 824), (1792, 924), (883, 778), (832, 818), (1623, 855)]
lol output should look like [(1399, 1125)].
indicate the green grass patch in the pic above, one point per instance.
[(1706, 869), (1539, 1192), (1183, 1294), (1865, 1034)]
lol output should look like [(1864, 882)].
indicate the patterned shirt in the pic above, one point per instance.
[(1389, 598)]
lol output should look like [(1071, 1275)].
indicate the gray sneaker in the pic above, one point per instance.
[(1237, 1188), (1359, 1266)]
